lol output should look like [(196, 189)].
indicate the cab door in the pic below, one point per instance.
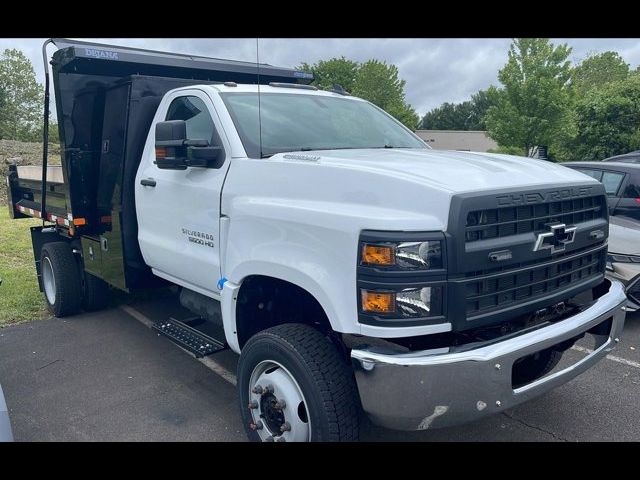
[(179, 210)]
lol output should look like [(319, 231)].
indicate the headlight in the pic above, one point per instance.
[(402, 278), (425, 255), (404, 303)]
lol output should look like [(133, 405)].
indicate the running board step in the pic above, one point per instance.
[(188, 338)]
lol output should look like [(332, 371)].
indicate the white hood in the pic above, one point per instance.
[(453, 171)]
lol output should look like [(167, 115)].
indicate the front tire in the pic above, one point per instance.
[(535, 366), (60, 279), (294, 386)]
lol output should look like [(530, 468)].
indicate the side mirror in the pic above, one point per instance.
[(175, 152), (170, 149)]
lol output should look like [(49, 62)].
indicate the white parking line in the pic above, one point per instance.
[(613, 358), (208, 362)]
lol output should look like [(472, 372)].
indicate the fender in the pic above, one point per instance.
[(297, 277)]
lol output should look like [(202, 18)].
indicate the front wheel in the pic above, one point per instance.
[(294, 386), (535, 366)]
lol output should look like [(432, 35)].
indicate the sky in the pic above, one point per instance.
[(436, 70)]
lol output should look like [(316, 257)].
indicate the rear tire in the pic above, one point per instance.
[(96, 293), (304, 368), (60, 279)]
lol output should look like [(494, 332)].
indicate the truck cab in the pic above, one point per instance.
[(348, 264)]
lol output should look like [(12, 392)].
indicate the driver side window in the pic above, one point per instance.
[(196, 115)]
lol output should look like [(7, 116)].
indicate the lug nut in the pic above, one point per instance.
[(268, 389), (498, 366), (285, 427), (281, 439), (280, 404), (256, 426), (498, 403), (253, 405), (269, 439), (258, 390)]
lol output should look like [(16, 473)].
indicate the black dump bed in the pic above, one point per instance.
[(106, 98)]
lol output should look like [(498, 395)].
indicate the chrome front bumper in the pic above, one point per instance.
[(435, 388)]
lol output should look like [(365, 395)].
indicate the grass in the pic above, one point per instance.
[(20, 299)]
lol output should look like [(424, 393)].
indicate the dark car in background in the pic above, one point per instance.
[(631, 157), (621, 182)]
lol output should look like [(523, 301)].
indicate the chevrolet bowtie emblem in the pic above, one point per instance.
[(556, 239)]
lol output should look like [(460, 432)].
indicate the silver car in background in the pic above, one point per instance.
[(5, 425), (623, 259)]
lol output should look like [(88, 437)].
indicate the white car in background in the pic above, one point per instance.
[(623, 259)]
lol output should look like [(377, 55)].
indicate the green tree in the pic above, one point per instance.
[(608, 120), (20, 115), (598, 70), (372, 80), (335, 71), (533, 105), (481, 102), (380, 84), (449, 116), (468, 115)]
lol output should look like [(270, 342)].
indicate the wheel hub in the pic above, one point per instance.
[(272, 416), (48, 280), (277, 405)]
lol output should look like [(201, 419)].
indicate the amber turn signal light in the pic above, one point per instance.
[(378, 302), (161, 152), (378, 255)]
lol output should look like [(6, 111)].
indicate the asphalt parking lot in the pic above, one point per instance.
[(107, 376)]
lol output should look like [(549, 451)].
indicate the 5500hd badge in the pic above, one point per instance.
[(199, 238)]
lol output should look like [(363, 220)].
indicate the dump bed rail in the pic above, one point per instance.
[(25, 194)]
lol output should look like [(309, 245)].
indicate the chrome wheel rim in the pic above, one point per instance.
[(48, 281), (279, 411)]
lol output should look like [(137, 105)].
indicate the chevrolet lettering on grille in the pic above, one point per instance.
[(556, 239)]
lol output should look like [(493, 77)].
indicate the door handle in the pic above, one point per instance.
[(148, 182)]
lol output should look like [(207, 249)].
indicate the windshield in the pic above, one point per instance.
[(294, 122)]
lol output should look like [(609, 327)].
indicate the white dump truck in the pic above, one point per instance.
[(350, 266)]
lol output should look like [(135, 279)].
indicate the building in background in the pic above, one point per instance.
[(469, 140)]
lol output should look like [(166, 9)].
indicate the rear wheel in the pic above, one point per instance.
[(60, 279), (96, 293), (294, 386)]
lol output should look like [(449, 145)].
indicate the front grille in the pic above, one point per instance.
[(505, 221), (501, 290)]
